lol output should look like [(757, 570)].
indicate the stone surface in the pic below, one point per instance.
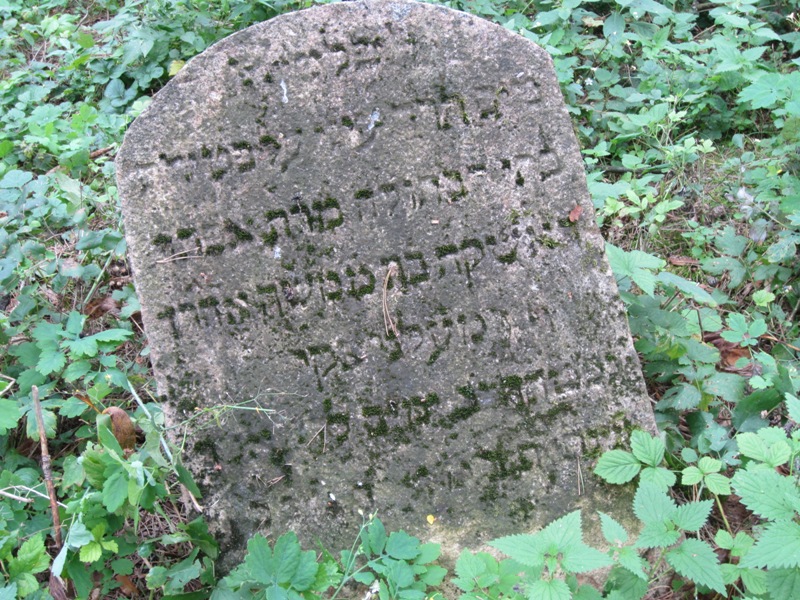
[(363, 217)]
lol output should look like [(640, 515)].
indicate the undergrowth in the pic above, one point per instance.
[(689, 117)]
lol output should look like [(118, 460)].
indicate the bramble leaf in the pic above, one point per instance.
[(115, 490), (617, 466), (784, 583), (648, 449), (659, 476), (9, 415)]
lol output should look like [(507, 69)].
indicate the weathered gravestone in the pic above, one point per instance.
[(367, 218)]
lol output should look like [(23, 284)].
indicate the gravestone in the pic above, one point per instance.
[(370, 221)]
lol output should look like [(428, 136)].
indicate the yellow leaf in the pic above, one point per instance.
[(175, 66), (431, 519)]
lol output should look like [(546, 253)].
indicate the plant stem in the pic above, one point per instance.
[(48, 474), (722, 512)]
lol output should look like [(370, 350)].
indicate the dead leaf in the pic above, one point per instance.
[(100, 306), (127, 586), (730, 354), (575, 213), (122, 427), (683, 261)]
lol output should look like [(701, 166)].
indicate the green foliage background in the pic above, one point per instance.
[(689, 118)]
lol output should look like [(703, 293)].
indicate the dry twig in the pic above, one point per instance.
[(48, 474)]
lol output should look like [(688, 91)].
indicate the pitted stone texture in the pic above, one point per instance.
[(358, 217)]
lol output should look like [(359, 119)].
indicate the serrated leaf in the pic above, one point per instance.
[(549, 589), (427, 553), (755, 581), (661, 477), (767, 493), (376, 537), (630, 559), (31, 557), (306, 572), (564, 532), (82, 348), (784, 583), (51, 360), (617, 466), (469, 567), (115, 490), (718, 484), (697, 561), (286, 557), (755, 446), (691, 476), (523, 548), (692, 515), (9, 415), (580, 558), (689, 455), (402, 546), (793, 406), (636, 265), (433, 575), (660, 534), (709, 465), (613, 532), (90, 552), (777, 548), (259, 559), (652, 505), (647, 448)]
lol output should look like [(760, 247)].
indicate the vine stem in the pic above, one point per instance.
[(48, 474)]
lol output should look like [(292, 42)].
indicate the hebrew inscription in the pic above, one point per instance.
[(357, 217)]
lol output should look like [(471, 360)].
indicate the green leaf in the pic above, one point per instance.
[(376, 537), (90, 552), (692, 515), (663, 478), (617, 466), (630, 559), (648, 449), (657, 534), (718, 484), (402, 546), (614, 28), (613, 532), (156, 577), (286, 555), (469, 567), (259, 559), (793, 407), (9, 592), (32, 427), (756, 446), (9, 415), (689, 288), (698, 562), (549, 589), (523, 548), (428, 553), (777, 548), (755, 581), (767, 493), (433, 576), (784, 583), (31, 557), (580, 558), (691, 476), (115, 490), (652, 505), (636, 265), (82, 347), (51, 361)]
